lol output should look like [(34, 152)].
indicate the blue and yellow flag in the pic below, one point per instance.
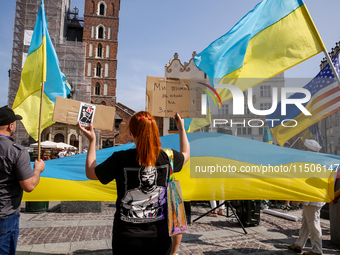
[(274, 36), (221, 167), (41, 65), (267, 136)]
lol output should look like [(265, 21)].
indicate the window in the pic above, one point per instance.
[(100, 33), (246, 110), (107, 51), (103, 103), (224, 110), (172, 125), (92, 6), (249, 130), (106, 70), (92, 32), (265, 91), (106, 87), (265, 106), (89, 69), (97, 89), (261, 131), (98, 70), (330, 118), (59, 138), (91, 50), (244, 130), (101, 9), (239, 129), (99, 50), (112, 10), (109, 33)]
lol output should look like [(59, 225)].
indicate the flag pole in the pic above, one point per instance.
[(295, 142), (329, 60), (40, 117)]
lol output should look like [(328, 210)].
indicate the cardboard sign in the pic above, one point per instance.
[(167, 96), (67, 111)]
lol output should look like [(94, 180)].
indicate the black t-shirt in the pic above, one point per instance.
[(141, 192)]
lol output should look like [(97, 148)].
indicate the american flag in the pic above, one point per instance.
[(325, 100), (325, 92)]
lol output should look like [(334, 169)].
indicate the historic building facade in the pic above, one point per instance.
[(87, 52)]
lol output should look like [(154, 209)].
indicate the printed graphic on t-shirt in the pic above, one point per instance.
[(146, 202)]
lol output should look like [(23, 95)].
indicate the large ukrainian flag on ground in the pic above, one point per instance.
[(274, 36), (221, 167), (41, 65)]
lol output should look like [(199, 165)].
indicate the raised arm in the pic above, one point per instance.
[(91, 161), (183, 139)]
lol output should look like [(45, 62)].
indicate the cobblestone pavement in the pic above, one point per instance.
[(90, 233)]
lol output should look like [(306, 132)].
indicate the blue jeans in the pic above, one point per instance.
[(9, 232)]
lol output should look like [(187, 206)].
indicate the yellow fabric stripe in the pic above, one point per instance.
[(197, 123), (44, 66), (29, 110), (50, 189), (31, 76), (300, 187), (283, 134), (271, 52)]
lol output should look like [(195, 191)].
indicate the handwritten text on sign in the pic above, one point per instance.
[(167, 96)]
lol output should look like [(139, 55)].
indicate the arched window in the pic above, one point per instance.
[(108, 51), (112, 10), (98, 70), (91, 50), (97, 89), (100, 50), (101, 9), (100, 33), (92, 32), (103, 103), (89, 69), (92, 3), (106, 70), (105, 89), (59, 138), (109, 33)]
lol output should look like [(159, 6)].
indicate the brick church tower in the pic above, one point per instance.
[(101, 20)]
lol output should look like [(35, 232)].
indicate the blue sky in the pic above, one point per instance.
[(151, 31)]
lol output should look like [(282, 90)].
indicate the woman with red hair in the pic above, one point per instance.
[(141, 174)]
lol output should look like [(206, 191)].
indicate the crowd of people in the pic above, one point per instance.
[(141, 175)]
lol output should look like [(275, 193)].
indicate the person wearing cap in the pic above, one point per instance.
[(16, 175), (310, 226)]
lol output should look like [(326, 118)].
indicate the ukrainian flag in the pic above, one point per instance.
[(41, 65), (274, 36), (221, 167)]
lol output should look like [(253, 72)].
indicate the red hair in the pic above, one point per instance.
[(144, 128)]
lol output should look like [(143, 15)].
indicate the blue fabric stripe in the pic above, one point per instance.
[(40, 29), (226, 54), (54, 78)]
